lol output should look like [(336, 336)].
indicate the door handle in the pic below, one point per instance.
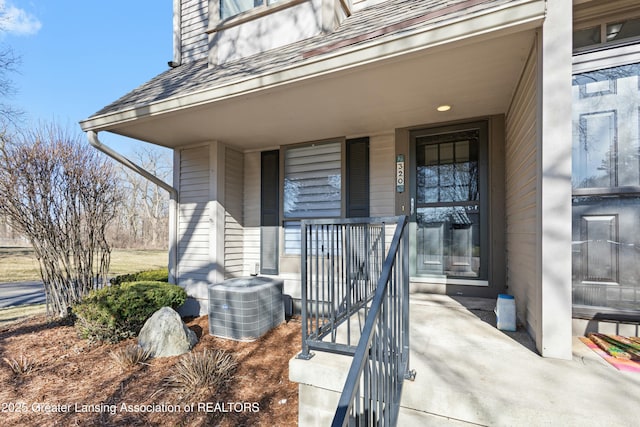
[(413, 202)]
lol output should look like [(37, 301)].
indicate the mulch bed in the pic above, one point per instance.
[(77, 383)]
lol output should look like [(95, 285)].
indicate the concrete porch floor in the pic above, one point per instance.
[(471, 373)]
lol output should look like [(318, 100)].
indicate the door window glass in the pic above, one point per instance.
[(448, 204)]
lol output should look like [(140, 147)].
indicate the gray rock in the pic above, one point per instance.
[(164, 334)]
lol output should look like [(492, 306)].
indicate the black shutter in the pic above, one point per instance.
[(269, 211), (357, 177)]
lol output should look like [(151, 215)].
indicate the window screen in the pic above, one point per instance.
[(313, 181)]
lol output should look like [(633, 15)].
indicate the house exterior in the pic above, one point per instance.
[(507, 130)]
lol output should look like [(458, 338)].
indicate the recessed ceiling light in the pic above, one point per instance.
[(443, 108)]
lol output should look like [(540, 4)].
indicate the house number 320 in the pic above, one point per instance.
[(400, 173)]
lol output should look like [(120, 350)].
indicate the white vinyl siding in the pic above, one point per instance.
[(521, 196), (383, 180), (193, 216), (233, 230), (193, 26), (251, 196)]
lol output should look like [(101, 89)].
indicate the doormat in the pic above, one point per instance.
[(620, 352)]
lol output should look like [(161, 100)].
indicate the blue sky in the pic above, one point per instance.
[(78, 56)]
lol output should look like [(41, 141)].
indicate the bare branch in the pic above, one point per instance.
[(61, 195), (144, 217)]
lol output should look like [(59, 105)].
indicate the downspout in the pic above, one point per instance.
[(92, 136)]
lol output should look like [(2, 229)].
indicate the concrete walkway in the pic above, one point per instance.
[(470, 373)]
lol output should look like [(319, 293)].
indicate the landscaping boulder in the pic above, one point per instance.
[(164, 334)]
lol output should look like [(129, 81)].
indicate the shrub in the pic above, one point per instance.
[(95, 322), (159, 275), (119, 311), (204, 371)]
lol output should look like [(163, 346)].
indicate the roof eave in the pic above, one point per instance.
[(510, 17)]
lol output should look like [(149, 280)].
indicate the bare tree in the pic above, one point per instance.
[(60, 194), (10, 116), (144, 218), (9, 61)]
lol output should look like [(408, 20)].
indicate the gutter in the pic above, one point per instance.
[(92, 136)]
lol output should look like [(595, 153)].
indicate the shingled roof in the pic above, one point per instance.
[(378, 21)]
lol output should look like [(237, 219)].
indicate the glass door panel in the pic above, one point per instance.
[(447, 209)]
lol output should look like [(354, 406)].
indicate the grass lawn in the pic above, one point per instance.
[(19, 263)]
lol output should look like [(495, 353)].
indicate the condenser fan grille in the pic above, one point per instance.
[(244, 309)]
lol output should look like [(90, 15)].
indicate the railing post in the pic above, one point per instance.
[(304, 354), (408, 374)]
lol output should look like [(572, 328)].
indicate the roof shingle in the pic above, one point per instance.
[(380, 20)]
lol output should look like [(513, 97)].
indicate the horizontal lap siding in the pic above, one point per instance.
[(382, 179), (233, 229), (194, 18), (521, 197), (193, 216), (251, 196), (382, 183)]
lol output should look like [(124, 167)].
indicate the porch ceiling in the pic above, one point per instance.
[(476, 76)]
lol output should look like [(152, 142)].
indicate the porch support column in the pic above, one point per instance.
[(554, 198)]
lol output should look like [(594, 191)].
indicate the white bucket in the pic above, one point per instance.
[(506, 313)]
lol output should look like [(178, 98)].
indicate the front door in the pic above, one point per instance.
[(448, 202)]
